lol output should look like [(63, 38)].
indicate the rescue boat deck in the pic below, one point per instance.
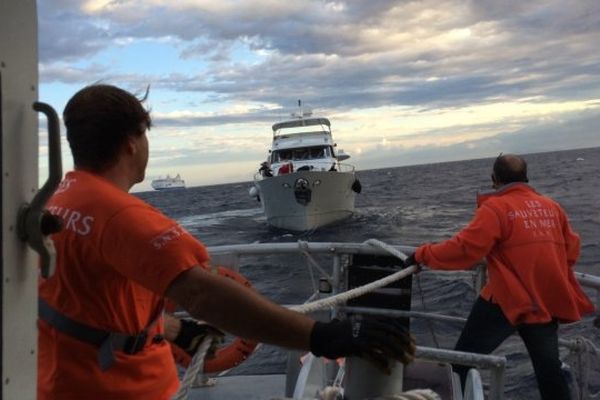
[(418, 375)]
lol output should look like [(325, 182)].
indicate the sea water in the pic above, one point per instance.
[(405, 205)]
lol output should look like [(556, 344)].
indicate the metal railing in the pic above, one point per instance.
[(231, 255), (317, 166)]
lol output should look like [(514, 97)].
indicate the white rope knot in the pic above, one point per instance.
[(194, 370), (335, 393), (584, 359), (331, 393), (417, 394)]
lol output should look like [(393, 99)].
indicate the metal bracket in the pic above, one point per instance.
[(34, 223)]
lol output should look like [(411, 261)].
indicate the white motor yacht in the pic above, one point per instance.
[(303, 185)]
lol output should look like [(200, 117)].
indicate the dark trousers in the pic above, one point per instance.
[(487, 328)]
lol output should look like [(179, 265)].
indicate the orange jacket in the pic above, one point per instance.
[(116, 256), (530, 250)]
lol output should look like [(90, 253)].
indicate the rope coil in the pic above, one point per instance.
[(193, 370), (584, 357)]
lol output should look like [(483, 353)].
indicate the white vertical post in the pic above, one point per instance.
[(19, 174), (365, 381)]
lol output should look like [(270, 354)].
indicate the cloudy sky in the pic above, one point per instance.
[(403, 82)]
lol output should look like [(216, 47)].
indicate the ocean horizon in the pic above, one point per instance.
[(234, 182)]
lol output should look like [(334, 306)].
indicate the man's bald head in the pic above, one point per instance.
[(510, 168)]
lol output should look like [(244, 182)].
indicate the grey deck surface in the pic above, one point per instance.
[(429, 375), (246, 387), (418, 375)]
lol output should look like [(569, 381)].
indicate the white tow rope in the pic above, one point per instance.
[(417, 394), (340, 298), (197, 364), (196, 367)]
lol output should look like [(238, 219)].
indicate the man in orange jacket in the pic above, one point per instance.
[(101, 328), (530, 250)]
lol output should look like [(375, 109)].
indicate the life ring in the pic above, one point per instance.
[(226, 357)]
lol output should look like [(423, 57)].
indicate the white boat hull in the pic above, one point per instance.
[(168, 183), (331, 199), (168, 187)]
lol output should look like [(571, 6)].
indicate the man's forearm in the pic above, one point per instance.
[(239, 310)]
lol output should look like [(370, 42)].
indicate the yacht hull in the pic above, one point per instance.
[(307, 200)]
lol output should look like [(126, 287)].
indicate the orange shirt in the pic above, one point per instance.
[(116, 256), (530, 250)]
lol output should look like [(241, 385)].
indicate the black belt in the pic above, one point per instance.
[(107, 342)]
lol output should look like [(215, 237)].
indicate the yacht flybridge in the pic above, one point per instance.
[(303, 185)]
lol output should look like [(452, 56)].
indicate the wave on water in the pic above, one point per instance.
[(193, 222)]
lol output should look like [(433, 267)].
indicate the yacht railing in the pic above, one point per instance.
[(346, 167), (318, 166)]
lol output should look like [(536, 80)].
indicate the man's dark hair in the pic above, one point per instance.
[(99, 119), (510, 168)]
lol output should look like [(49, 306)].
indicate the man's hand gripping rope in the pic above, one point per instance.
[(381, 341), (192, 333)]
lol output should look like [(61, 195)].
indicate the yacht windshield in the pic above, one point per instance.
[(301, 154)]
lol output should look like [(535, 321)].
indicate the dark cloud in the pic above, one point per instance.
[(66, 34), (266, 116), (341, 55), (64, 73), (189, 156)]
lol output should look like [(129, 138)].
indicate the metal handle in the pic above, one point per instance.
[(34, 222), (54, 156)]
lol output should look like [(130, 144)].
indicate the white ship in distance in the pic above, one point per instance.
[(168, 183)]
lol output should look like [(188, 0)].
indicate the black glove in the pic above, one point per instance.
[(192, 333), (376, 339), (410, 260)]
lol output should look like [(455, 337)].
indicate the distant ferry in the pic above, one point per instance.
[(168, 183)]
